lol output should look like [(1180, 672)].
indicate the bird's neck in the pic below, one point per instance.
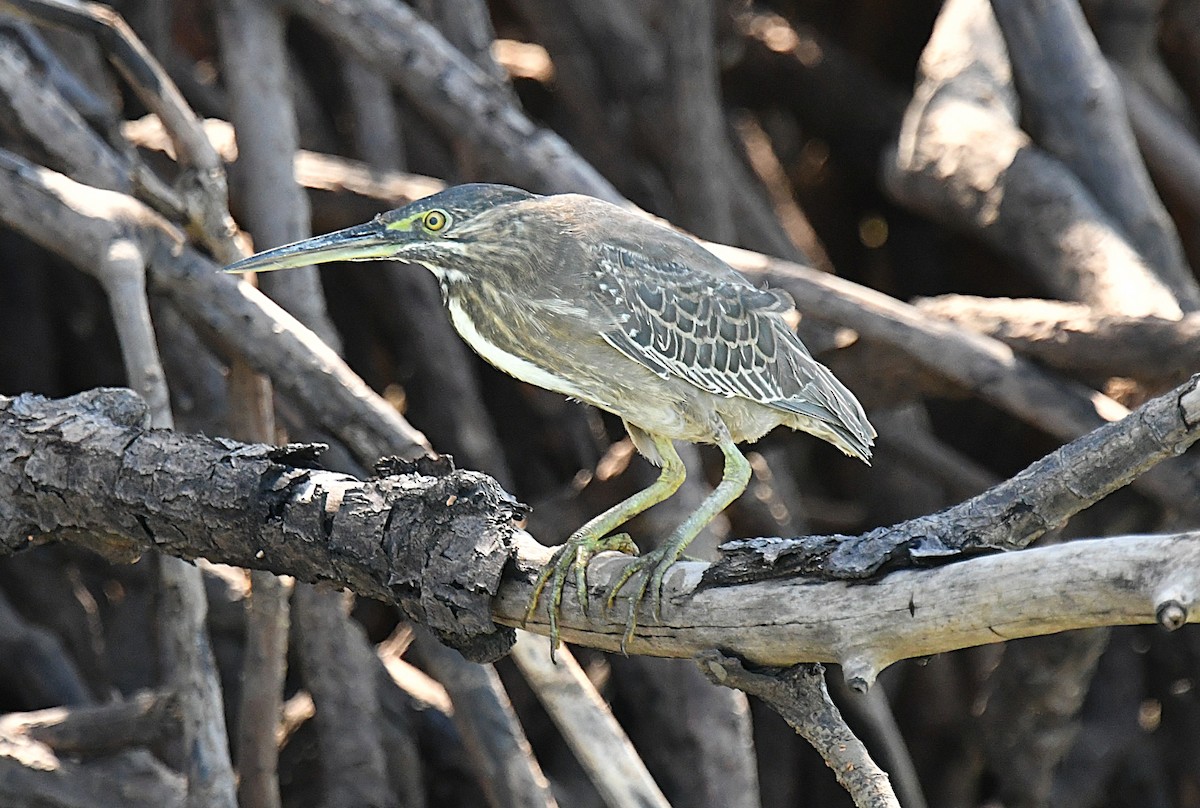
[(451, 281), (454, 285)]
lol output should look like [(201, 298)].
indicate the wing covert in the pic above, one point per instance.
[(713, 329), (721, 334)]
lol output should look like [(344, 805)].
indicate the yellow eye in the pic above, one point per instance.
[(436, 220)]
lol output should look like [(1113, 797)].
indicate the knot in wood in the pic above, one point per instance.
[(1171, 615)]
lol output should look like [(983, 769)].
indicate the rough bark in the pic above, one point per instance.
[(435, 541), (238, 504)]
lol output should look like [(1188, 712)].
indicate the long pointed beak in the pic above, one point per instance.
[(362, 242)]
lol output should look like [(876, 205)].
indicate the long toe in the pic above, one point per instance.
[(618, 542), (657, 576), (576, 552), (652, 568)]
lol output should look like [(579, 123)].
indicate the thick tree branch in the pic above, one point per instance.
[(234, 503), (1006, 516), (1076, 338), (962, 158), (1075, 109), (435, 542)]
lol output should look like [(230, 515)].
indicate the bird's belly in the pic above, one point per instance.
[(671, 407)]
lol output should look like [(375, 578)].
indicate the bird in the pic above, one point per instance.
[(607, 306)]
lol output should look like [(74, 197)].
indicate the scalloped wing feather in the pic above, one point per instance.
[(716, 331)]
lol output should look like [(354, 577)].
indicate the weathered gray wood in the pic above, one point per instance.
[(1009, 515), (202, 183), (435, 542), (33, 775), (493, 737), (963, 159), (587, 725), (799, 695), (463, 100), (80, 223), (145, 719), (337, 664), (986, 367), (274, 207), (1073, 105), (1076, 338)]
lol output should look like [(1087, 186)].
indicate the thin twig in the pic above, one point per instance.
[(261, 704)]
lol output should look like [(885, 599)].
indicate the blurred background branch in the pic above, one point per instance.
[(985, 212)]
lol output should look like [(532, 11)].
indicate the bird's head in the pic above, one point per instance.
[(442, 231)]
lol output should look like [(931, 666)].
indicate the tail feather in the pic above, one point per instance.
[(827, 409)]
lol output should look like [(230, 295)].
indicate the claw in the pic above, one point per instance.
[(581, 585), (576, 552), (653, 566), (631, 618)]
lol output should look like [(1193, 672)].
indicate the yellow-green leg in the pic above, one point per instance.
[(656, 563), (594, 538)]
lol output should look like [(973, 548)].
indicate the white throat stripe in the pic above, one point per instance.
[(514, 366)]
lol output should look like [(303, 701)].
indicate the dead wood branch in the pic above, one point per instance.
[(1006, 516), (80, 222), (435, 542), (214, 480), (147, 719), (31, 774), (984, 366), (1075, 110), (203, 184), (963, 159), (799, 695), (587, 724), (461, 98), (494, 738), (1077, 339)]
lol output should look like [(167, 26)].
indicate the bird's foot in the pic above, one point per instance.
[(576, 552), (653, 566)]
